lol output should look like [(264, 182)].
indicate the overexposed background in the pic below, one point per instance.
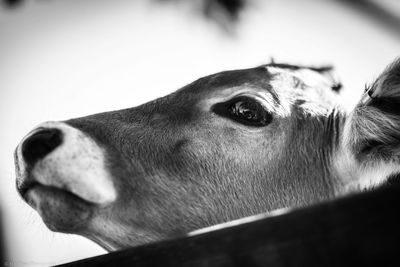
[(64, 59)]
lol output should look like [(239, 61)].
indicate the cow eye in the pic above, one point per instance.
[(245, 110)]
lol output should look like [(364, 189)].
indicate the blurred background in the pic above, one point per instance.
[(64, 59)]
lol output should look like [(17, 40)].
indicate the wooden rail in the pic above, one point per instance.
[(360, 230)]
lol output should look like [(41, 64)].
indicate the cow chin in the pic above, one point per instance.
[(60, 210)]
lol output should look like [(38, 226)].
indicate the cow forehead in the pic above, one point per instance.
[(282, 86), (260, 78)]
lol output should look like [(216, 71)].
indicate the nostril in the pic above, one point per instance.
[(39, 144)]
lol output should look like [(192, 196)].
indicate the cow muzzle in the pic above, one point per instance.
[(56, 160)]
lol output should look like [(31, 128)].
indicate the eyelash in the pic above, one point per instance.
[(245, 110)]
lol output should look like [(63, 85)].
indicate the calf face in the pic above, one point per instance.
[(229, 145)]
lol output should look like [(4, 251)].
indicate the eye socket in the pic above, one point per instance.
[(245, 110)]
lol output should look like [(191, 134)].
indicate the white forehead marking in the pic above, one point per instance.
[(305, 76)]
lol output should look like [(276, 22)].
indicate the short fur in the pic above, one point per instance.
[(177, 166)]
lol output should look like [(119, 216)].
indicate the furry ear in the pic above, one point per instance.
[(374, 125), (371, 134), (387, 85)]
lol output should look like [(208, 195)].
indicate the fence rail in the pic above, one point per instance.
[(362, 229)]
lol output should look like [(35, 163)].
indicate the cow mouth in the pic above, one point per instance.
[(60, 209)]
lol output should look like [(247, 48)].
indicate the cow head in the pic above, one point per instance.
[(229, 145)]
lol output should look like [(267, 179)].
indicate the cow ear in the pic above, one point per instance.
[(374, 124), (371, 134), (387, 85)]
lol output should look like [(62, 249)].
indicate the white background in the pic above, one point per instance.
[(63, 59)]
